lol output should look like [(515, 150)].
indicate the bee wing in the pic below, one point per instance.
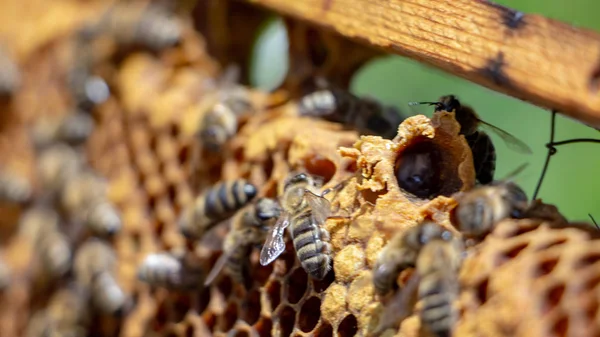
[(274, 244), (216, 269), (321, 209), (511, 141)]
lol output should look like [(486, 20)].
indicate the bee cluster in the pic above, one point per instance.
[(167, 199)]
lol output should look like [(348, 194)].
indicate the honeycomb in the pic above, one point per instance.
[(144, 144)]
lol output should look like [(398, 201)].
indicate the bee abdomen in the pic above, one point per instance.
[(228, 197), (55, 253), (311, 250), (237, 263), (107, 295)]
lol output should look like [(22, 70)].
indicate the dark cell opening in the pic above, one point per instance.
[(321, 285), (482, 290), (225, 285), (203, 300), (242, 334), (320, 166), (287, 319), (516, 250), (546, 267), (418, 170), (229, 317), (274, 294), (348, 327), (264, 327), (554, 296), (252, 307), (561, 326), (180, 305), (317, 49), (324, 330), (296, 285), (309, 314)]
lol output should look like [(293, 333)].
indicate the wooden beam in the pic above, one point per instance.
[(533, 58)]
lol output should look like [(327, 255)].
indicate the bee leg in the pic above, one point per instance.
[(324, 235), (335, 188)]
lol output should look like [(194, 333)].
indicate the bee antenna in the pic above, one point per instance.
[(594, 221), (551, 152), (516, 171), (420, 103)]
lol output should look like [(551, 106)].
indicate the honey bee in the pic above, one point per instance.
[(220, 123), (94, 266), (365, 114), (84, 197), (247, 230), (401, 252), (480, 209), (40, 225), (169, 271), (10, 75), (484, 152), (14, 187), (57, 164), (216, 204), (437, 265), (305, 210), (152, 27), (74, 129)]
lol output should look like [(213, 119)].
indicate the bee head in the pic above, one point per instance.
[(297, 179), (448, 103)]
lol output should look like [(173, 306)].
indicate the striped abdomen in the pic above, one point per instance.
[(311, 243), (238, 263), (218, 203), (484, 156), (218, 126), (437, 295)]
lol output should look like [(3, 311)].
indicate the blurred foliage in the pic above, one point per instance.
[(571, 182)]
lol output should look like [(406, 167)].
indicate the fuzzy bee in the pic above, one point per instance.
[(220, 122), (74, 129), (480, 209), (94, 266), (305, 210), (436, 256), (41, 226), (364, 114), (484, 152), (169, 271), (216, 204), (10, 75), (14, 187), (247, 229), (437, 266), (56, 165), (84, 197), (401, 252)]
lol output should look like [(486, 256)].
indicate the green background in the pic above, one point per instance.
[(572, 182)]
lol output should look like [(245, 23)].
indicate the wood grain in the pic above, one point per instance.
[(533, 58)]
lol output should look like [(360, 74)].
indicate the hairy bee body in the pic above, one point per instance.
[(438, 264), (220, 123), (56, 165), (484, 156), (484, 153), (401, 252), (73, 129), (14, 187), (480, 209), (216, 204), (10, 75), (366, 115), (248, 229), (40, 225), (107, 295), (94, 266), (84, 197), (310, 240), (166, 270)]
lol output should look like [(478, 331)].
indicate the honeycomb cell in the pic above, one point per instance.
[(310, 313), (264, 327), (546, 266), (334, 302), (348, 263), (287, 320), (251, 307), (348, 327), (320, 285), (242, 334), (229, 317), (323, 330), (320, 166), (296, 285), (554, 295), (273, 293), (225, 285)]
